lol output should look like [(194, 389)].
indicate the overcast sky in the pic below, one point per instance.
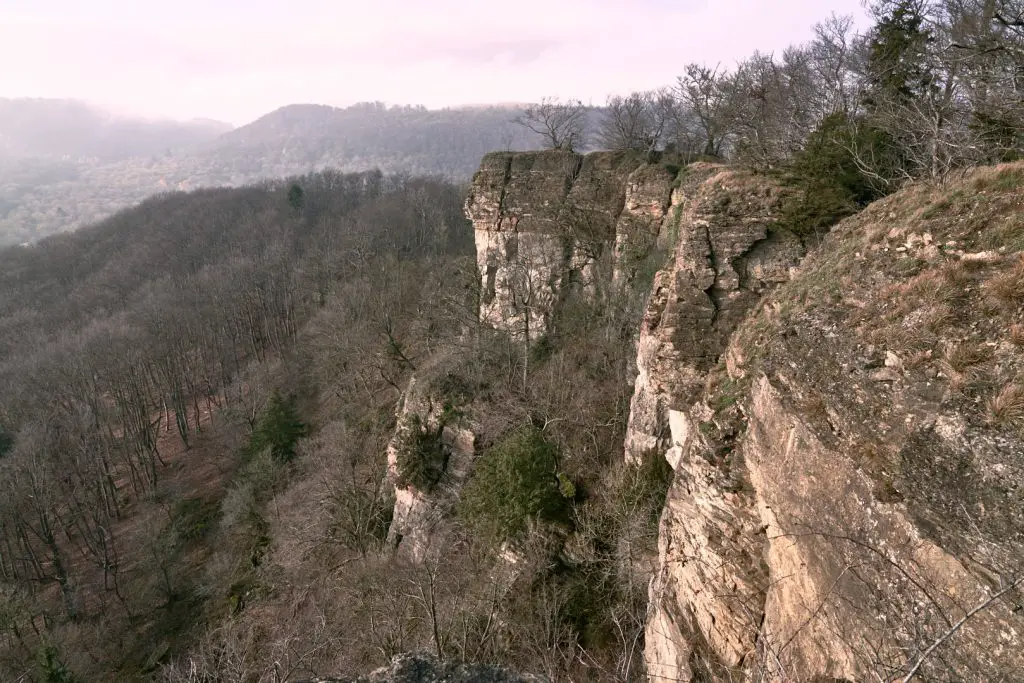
[(234, 60)]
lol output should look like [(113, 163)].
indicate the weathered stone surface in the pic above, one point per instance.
[(648, 196), (548, 222), (824, 524), (421, 520), (728, 251)]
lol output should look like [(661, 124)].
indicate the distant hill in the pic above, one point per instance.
[(64, 165), (448, 142), (67, 129)]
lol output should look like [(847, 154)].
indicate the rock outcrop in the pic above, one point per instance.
[(729, 250), (846, 428), (548, 222), (847, 503), (421, 517)]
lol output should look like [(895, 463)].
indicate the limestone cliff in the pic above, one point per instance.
[(846, 428), (423, 509), (546, 222), (548, 225), (729, 249), (847, 501)]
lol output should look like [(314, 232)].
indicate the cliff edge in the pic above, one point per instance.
[(847, 501)]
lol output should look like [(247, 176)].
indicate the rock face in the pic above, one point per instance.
[(420, 517), (549, 222), (846, 429), (729, 251), (847, 502)]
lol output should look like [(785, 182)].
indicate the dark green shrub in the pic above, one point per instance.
[(194, 517), (296, 197), (422, 456), (53, 670), (6, 441), (515, 480), (279, 429), (831, 184)]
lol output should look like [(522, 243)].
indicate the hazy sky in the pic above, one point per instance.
[(235, 60)]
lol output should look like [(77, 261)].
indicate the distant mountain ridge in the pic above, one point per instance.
[(64, 164), (73, 129), (410, 139)]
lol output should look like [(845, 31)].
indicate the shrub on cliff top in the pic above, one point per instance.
[(831, 184), (515, 480)]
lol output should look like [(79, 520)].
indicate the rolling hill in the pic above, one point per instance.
[(64, 165)]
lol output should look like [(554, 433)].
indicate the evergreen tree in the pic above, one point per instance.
[(831, 184), (53, 669), (898, 65), (515, 480), (6, 441), (279, 430), (296, 197)]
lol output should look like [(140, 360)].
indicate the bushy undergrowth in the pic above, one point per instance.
[(516, 480), (421, 454)]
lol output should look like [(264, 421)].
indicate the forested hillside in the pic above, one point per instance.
[(66, 166), (137, 358), (412, 140), (740, 397)]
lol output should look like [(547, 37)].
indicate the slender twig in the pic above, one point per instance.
[(956, 627)]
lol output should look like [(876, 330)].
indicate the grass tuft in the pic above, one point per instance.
[(1007, 407), (1008, 287)]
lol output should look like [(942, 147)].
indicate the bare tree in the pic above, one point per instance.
[(831, 55), (639, 121), (772, 106), (561, 125), (707, 93)]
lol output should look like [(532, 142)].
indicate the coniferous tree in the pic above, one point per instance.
[(279, 430)]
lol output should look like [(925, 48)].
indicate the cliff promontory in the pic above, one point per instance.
[(847, 501), (844, 416)]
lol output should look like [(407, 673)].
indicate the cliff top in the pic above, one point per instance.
[(908, 321)]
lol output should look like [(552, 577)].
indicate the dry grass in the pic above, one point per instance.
[(1007, 232), (935, 285), (917, 359), (961, 363), (965, 355), (1007, 407), (1001, 178), (938, 318), (1017, 334), (1008, 287), (957, 380)]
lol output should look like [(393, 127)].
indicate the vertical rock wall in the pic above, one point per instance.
[(548, 222), (846, 503)]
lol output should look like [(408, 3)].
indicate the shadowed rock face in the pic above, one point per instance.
[(423, 668), (422, 518), (548, 221), (847, 489)]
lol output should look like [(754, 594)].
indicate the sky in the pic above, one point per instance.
[(235, 60)]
